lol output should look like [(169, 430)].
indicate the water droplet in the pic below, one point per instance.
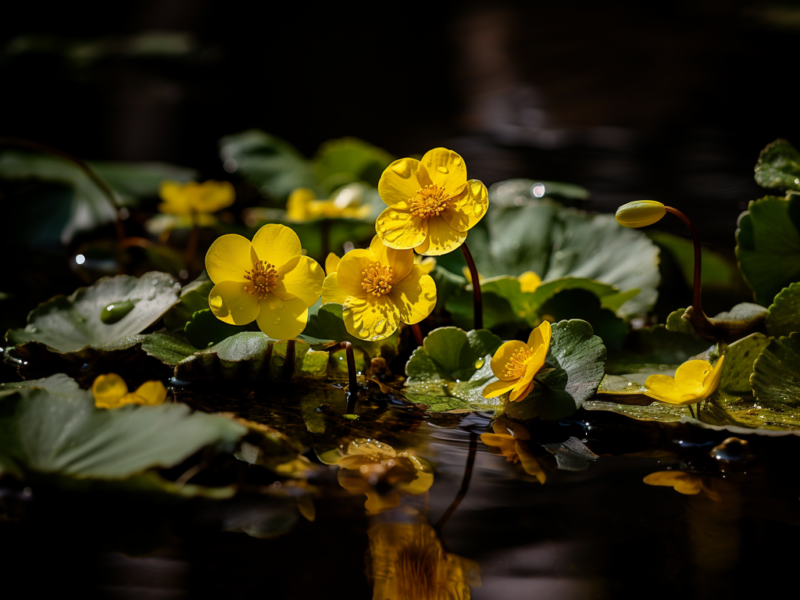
[(442, 169), (480, 362), (477, 209), (116, 311), (276, 321), (458, 162), (401, 167)]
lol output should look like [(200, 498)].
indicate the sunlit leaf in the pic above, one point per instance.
[(328, 324), (784, 313), (776, 373), (345, 160), (778, 166)]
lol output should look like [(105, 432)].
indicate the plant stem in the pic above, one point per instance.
[(462, 492), (90, 173), (352, 387), (417, 333), (477, 301), (691, 410)]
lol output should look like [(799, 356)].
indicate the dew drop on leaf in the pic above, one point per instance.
[(116, 311)]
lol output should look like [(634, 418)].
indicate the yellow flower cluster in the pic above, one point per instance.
[(187, 199), (111, 391)]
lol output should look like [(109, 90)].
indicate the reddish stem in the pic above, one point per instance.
[(477, 301), (417, 333)]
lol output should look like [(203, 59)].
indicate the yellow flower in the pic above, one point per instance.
[(303, 205), (331, 263), (684, 483), (513, 447), (268, 281), (427, 264), (378, 288), (516, 363), (369, 463), (431, 203), (111, 391), (694, 381), (640, 213), (407, 562), (195, 198)]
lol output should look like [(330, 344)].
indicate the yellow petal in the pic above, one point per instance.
[(498, 388), (108, 390), (377, 503), (446, 169), (506, 443), (331, 263), (400, 181), (427, 264), (520, 392), (282, 319), (176, 202), (414, 296), (211, 196), (690, 376), (663, 388), (297, 206), (152, 392), (640, 213), (229, 258), (331, 292), (230, 303), (400, 260), (400, 229), (524, 384), (503, 355), (530, 463), (541, 336), (469, 207), (276, 244), (301, 277), (685, 483), (712, 381), (529, 281), (348, 273), (372, 318), (424, 479), (441, 238)]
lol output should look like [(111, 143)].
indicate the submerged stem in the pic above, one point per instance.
[(90, 173), (462, 492), (352, 387), (477, 301), (691, 410)]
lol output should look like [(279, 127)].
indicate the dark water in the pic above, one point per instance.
[(592, 530)]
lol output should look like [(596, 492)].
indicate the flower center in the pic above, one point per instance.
[(377, 279), (430, 201), (263, 277), (515, 367)]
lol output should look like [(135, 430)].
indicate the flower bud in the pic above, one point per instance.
[(640, 213)]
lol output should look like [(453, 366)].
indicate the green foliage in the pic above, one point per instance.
[(449, 371), (578, 359), (738, 366), (768, 245), (254, 355), (742, 317), (716, 271), (71, 323), (784, 313), (52, 428), (204, 329), (347, 160), (514, 192), (194, 297), (328, 324), (778, 166), (776, 374)]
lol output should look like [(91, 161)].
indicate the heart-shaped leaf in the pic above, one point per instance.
[(784, 313), (778, 166)]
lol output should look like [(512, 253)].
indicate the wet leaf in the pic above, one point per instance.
[(778, 166), (254, 355), (328, 324), (347, 160), (738, 365), (578, 360), (768, 245), (204, 329), (59, 432), (655, 411), (449, 371), (514, 192), (743, 318), (71, 323), (194, 297), (776, 373), (784, 314), (716, 270)]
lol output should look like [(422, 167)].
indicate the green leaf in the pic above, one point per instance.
[(132, 181), (738, 365), (784, 314), (345, 160), (768, 246), (204, 329), (716, 270), (328, 324), (578, 360), (194, 297), (652, 350), (254, 355), (69, 324), (513, 192), (554, 242), (62, 433), (169, 348), (268, 162), (776, 373), (451, 368), (744, 317), (656, 411), (778, 166)]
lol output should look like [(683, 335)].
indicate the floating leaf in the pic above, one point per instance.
[(254, 355), (778, 166), (328, 324), (776, 373), (655, 411), (267, 161), (61, 433), (578, 360), (768, 245), (71, 323), (204, 329), (742, 319), (449, 371), (738, 365), (784, 314)]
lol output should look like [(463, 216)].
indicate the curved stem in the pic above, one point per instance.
[(462, 492), (417, 333), (90, 173), (477, 302), (698, 318), (351, 392)]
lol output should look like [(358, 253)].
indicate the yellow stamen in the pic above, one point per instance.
[(263, 277), (430, 201), (515, 368), (377, 279)]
